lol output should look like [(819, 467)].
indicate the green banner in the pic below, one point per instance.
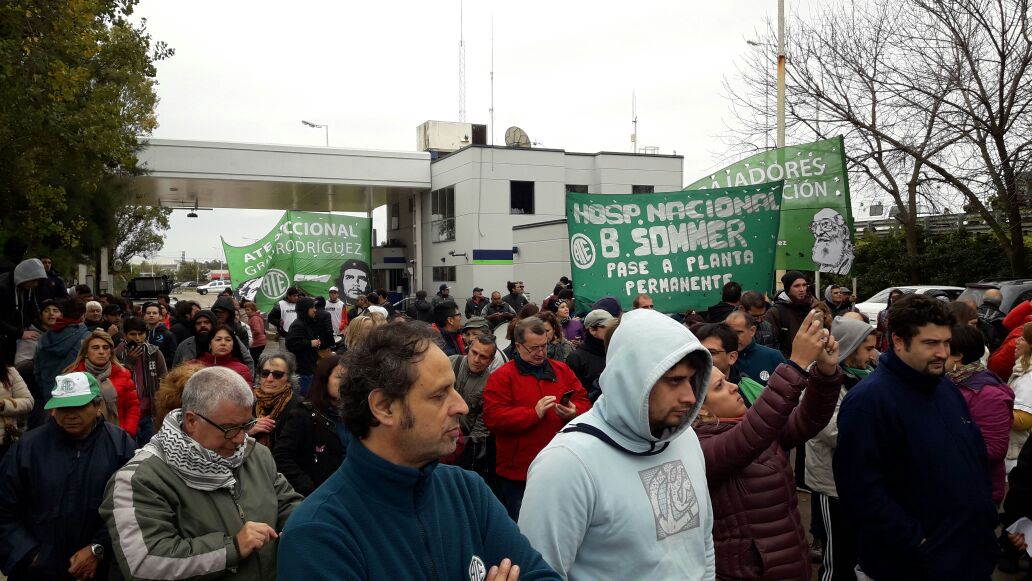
[(816, 216), (679, 247), (309, 250)]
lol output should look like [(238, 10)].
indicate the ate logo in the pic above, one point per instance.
[(275, 283), (582, 251)]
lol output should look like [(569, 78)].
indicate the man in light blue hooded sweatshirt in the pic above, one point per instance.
[(621, 492)]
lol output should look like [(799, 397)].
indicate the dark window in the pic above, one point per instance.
[(643, 189), (444, 274), (521, 197), (394, 214), (442, 210), (577, 188)]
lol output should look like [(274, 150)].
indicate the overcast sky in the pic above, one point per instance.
[(564, 72)]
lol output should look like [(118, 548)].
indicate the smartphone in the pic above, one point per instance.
[(565, 400)]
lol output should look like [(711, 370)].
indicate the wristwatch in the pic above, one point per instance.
[(97, 550)]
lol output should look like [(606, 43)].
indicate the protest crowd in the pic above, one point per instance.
[(494, 438)]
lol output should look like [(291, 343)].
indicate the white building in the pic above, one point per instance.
[(480, 193), (451, 207)]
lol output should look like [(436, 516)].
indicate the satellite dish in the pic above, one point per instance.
[(516, 137)]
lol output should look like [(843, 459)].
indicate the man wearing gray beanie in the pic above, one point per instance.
[(857, 352)]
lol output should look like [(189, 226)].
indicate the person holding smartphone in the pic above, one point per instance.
[(147, 366)]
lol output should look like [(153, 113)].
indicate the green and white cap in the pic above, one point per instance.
[(73, 390)]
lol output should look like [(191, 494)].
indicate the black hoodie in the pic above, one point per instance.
[(300, 335)]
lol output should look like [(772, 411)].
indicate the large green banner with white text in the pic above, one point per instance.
[(679, 247), (309, 250), (816, 216)]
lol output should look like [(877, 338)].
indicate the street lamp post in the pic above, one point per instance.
[(319, 126), (766, 101)]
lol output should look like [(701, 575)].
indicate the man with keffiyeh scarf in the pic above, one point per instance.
[(201, 499), (147, 366)]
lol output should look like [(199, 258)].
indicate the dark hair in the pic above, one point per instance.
[(728, 338), (732, 292), (73, 309), (420, 295), (916, 310), (443, 311), (898, 293), (968, 342), (565, 294), (318, 392), (753, 299), (386, 360), (204, 346), (528, 310), (558, 287), (961, 312), (112, 309), (134, 324), (533, 325), (486, 339), (150, 304), (608, 337), (382, 292), (373, 298), (557, 328), (83, 289)]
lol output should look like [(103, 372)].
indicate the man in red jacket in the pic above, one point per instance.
[(1002, 361), (525, 405)]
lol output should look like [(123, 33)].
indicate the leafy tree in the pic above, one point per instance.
[(929, 93), (76, 90)]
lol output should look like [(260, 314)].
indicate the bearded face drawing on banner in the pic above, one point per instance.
[(833, 248)]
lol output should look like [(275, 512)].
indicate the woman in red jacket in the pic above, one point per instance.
[(223, 350), (757, 531), (121, 405)]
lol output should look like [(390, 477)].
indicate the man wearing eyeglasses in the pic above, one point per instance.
[(524, 407), (448, 320), (201, 499)]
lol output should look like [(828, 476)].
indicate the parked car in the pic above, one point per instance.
[(215, 286), (877, 303), (1015, 291)]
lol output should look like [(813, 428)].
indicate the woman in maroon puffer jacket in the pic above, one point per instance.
[(757, 532)]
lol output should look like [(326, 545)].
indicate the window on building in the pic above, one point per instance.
[(394, 215), (521, 197), (412, 205), (442, 210), (643, 189), (577, 188), (444, 274)]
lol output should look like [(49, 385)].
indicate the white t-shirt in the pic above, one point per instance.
[(336, 309), (288, 311)]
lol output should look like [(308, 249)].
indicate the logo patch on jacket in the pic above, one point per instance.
[(674, 504), (477, 570)]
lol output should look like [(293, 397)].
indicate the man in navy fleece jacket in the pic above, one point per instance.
[(391, 511), (910, 466)]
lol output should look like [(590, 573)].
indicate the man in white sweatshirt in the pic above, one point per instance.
[(621, 492)]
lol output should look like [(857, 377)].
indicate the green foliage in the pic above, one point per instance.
[(953, 258), (76, 90)]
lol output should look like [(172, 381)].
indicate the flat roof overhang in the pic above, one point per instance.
[(187, 174)]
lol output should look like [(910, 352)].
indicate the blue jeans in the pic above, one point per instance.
[(144, 430), (303, 383)]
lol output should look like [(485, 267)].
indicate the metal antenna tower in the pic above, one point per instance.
[(634, 121), (462, 69), (491, 110)]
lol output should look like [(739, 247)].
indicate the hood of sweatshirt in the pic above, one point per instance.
[(226, 304), (644, 347), (31, 269), (207, 315), (303, 306)]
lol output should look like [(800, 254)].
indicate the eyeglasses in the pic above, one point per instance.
[(716, 351), (538, 349), (232, 432), (276, 374)]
